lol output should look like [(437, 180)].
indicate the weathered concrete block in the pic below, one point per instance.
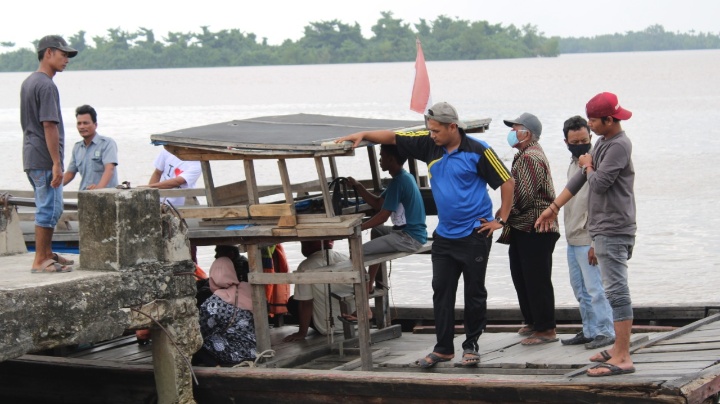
[(177, 244), (119, 228), (11, 236)]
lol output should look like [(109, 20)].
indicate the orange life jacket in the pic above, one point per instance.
[(275, 261)]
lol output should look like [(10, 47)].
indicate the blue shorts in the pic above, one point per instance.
[(48, 200)]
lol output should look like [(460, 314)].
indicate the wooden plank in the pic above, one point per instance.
[(640, 356), (303, 278), (681, 331), (311, 218), (221, 224), (354, 364), (272, 210), (699, 386), (288, 221), (698, 346), (209, 212), (284, 232)]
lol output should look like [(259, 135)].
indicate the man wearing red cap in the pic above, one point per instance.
[(610, 176)]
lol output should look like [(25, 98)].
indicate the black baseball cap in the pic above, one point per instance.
[(57, 42)]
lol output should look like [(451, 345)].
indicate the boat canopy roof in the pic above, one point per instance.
[(297, 131)]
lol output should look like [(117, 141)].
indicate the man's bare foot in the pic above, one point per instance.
[(353, 316), (295, 337)]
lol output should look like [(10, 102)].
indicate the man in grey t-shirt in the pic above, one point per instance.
[(610, 175), (43, 147)]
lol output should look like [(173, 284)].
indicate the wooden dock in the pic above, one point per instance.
[(679, 366)]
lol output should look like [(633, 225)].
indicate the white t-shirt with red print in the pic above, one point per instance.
[(173, 167)]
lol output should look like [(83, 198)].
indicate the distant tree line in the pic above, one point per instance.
[(326, 42), (653, 38)]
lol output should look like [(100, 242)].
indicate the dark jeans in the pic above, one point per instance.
[(531, 270), (451, 257)]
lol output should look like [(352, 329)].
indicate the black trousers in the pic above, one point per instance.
[(531, 270), (451, 258)]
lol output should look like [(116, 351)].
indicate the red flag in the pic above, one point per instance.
[(420, 100)]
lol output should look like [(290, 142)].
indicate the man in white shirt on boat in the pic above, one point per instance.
[(171, 172), (313, 300)]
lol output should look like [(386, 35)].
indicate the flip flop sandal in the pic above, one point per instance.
[(605, 357), (51, 267), (614, 370), (62, 260), (434, 360), (470, 358)]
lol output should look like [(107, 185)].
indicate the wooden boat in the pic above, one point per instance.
[(375, 365), (675, 366)]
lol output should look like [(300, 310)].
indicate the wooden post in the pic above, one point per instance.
[(209, 183), (374, 168), (250, 183), (324, 187), (382, 305), (361, 299), (412, 165), (333, 167), (285, 179), (259, 300), (260, 313)]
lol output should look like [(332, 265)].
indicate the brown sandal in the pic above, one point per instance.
[(51, 266), (62, 260)]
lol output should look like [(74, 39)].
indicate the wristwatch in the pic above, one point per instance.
[(499, 220)]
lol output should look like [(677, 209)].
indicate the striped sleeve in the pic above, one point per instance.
[(492, 169), (415, 144)]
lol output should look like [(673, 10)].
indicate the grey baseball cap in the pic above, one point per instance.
[(445, 113), (528, 120), (57, 42)]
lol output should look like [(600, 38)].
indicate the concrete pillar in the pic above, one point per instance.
[(120, 228), (11, 236)]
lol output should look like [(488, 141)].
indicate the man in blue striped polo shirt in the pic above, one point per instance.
[(460, 169)]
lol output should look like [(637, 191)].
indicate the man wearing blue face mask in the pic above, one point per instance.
[(585, 277), (530, 252)]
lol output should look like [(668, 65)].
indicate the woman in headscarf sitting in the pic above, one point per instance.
[(226, 319)]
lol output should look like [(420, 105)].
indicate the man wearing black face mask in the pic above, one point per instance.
[(585, 277)]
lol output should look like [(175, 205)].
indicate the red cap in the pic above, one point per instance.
[(606, 104)]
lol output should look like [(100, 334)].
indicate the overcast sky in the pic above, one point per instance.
[(24, 21)]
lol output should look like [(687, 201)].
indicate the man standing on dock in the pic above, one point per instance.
[(585, 278), (44, 147), (610, 176), (460, 169), (94, 157)]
